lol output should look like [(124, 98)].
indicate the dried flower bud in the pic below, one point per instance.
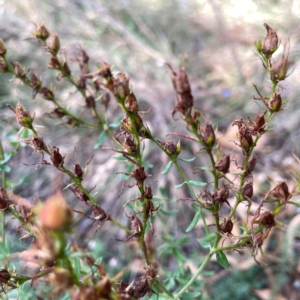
[(23, 116), (54, 63), (41, 32), (4, 276), (227, 226), (3, 66), (270, 43), (221, 195), (136, 225), (56, 214), (79, 193), (267, 219), (246, 139), (279, 70), (260, 123), (275, 102), (131, 103), (208, 136), (67, 68), (90, 102), (54, 44), (46, 93), (281, 192), (82, 83), (35, 81), (37, 143), (99, 213), (58, 112), (2, 48), (77, 170), (248, 190), (56, 157), (223, 164), (18, 69), (121, 87), (251, 164), (4, 200), (129, 144)]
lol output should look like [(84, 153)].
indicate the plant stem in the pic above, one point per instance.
[(194, 277), (2, 157)]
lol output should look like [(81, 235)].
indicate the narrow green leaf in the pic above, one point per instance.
[(182, 240), (77, 267), (222, 260), (178, 255), (101, 140), (114, 125), (3, 250), (168, 167), (187, 159), (205, 241), (147, 165), (194, 221), (178, 186), (169, 212), (195, 207), (197, 183)]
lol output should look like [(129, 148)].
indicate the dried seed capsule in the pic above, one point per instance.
[(4, 276), (2, 48), (46, 93), (41, 32), (279, 70), (259, 124), (121, 87), (67, 68), (54, 44), (267, 219), (90, 102), (79, 193), (275, 102), (35, 81), (281, 192), (221, 195), (23, 116), (3, 66), (251, 164), (56, 157), (223, 164), (77, 170), (4, 200), (18, 69), (208, 136), (248, 190), (270, 43), (54, 63), (82, 83), (227, 226), (131, 103), (246, 139)]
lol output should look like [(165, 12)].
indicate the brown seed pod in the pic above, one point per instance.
[(258, 126), (251, 164), (56, 157), (53, 44), (226, 226), (275, 102), (79, 193), (267, 219), (54, 63), (248, 190), (35, 81), (4, 200), (131, 103), (221, 195), (77, 170), (4, 276), (270, 43), (46, 93), (90, 102), (223, 164), (23, 116), (279, 69), (281, 192), (208, 136), (18, 69), (41, 32)]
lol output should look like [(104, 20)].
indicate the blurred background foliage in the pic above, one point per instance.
[(138, 36)]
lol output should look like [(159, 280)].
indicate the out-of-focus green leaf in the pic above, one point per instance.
[(101, 140), (205, 241), (167, 168), (194, 221), (222, 260), (187, 159)]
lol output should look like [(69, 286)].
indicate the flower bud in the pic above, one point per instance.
[(90, 101), (246, 139), (267, 219), (279, 70), (248, 190), (35, 81), (4, 276), (2, 48), (208, 136), (223, 164), (46, 93), (41, 32), (131, 103), (121, 87), (23, 116), (275, 102), (56, 157), (56, 214), (270, 43), (54, 44), (4, 200), (3, 66), (18, 69)]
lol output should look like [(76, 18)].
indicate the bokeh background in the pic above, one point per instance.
[(216, 38)]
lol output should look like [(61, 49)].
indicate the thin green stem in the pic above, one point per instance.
[(119, 225), (162, 287), (195, 276)]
